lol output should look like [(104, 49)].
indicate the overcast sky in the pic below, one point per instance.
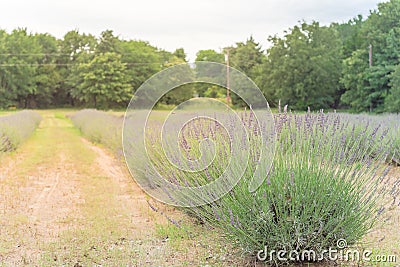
[(170, 24)]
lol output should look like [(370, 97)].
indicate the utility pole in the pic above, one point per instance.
[(228, 90), (370, 55)]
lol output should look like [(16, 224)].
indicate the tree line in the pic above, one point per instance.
[(352, 65)]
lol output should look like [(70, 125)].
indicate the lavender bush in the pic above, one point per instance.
[(327, 183), (17, 127), (100, 127)]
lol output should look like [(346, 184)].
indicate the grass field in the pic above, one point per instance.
[(67, 202)]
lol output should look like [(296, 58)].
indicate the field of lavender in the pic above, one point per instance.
[(106, 128), (328, 180), (389, 124), (17, 127)]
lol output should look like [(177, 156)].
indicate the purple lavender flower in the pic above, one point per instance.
[(381, 210), (238, 222), (232, 219), (216, 215)]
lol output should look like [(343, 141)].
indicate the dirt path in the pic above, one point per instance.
[(65, 201)]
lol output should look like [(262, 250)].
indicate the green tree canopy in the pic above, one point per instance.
[(204, 89), (392, 101), (303, 68), (104, 81), (368, 86), (19, 58)]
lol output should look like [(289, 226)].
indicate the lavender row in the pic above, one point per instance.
[(16, 128), (100, 127)]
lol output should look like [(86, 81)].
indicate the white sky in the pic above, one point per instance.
[(170, 24)]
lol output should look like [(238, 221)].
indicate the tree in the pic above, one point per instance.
[(183, 92), (7, 97), (104, 82), (108, 43), (246, 57), (142, 61), (368, 86), (354, 77), (47, 77), (303, 68), (204, 89), (350, 35), (210, 55), (392, 101), (215, 91), (19, 65), (76, 49), (180, 53)]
